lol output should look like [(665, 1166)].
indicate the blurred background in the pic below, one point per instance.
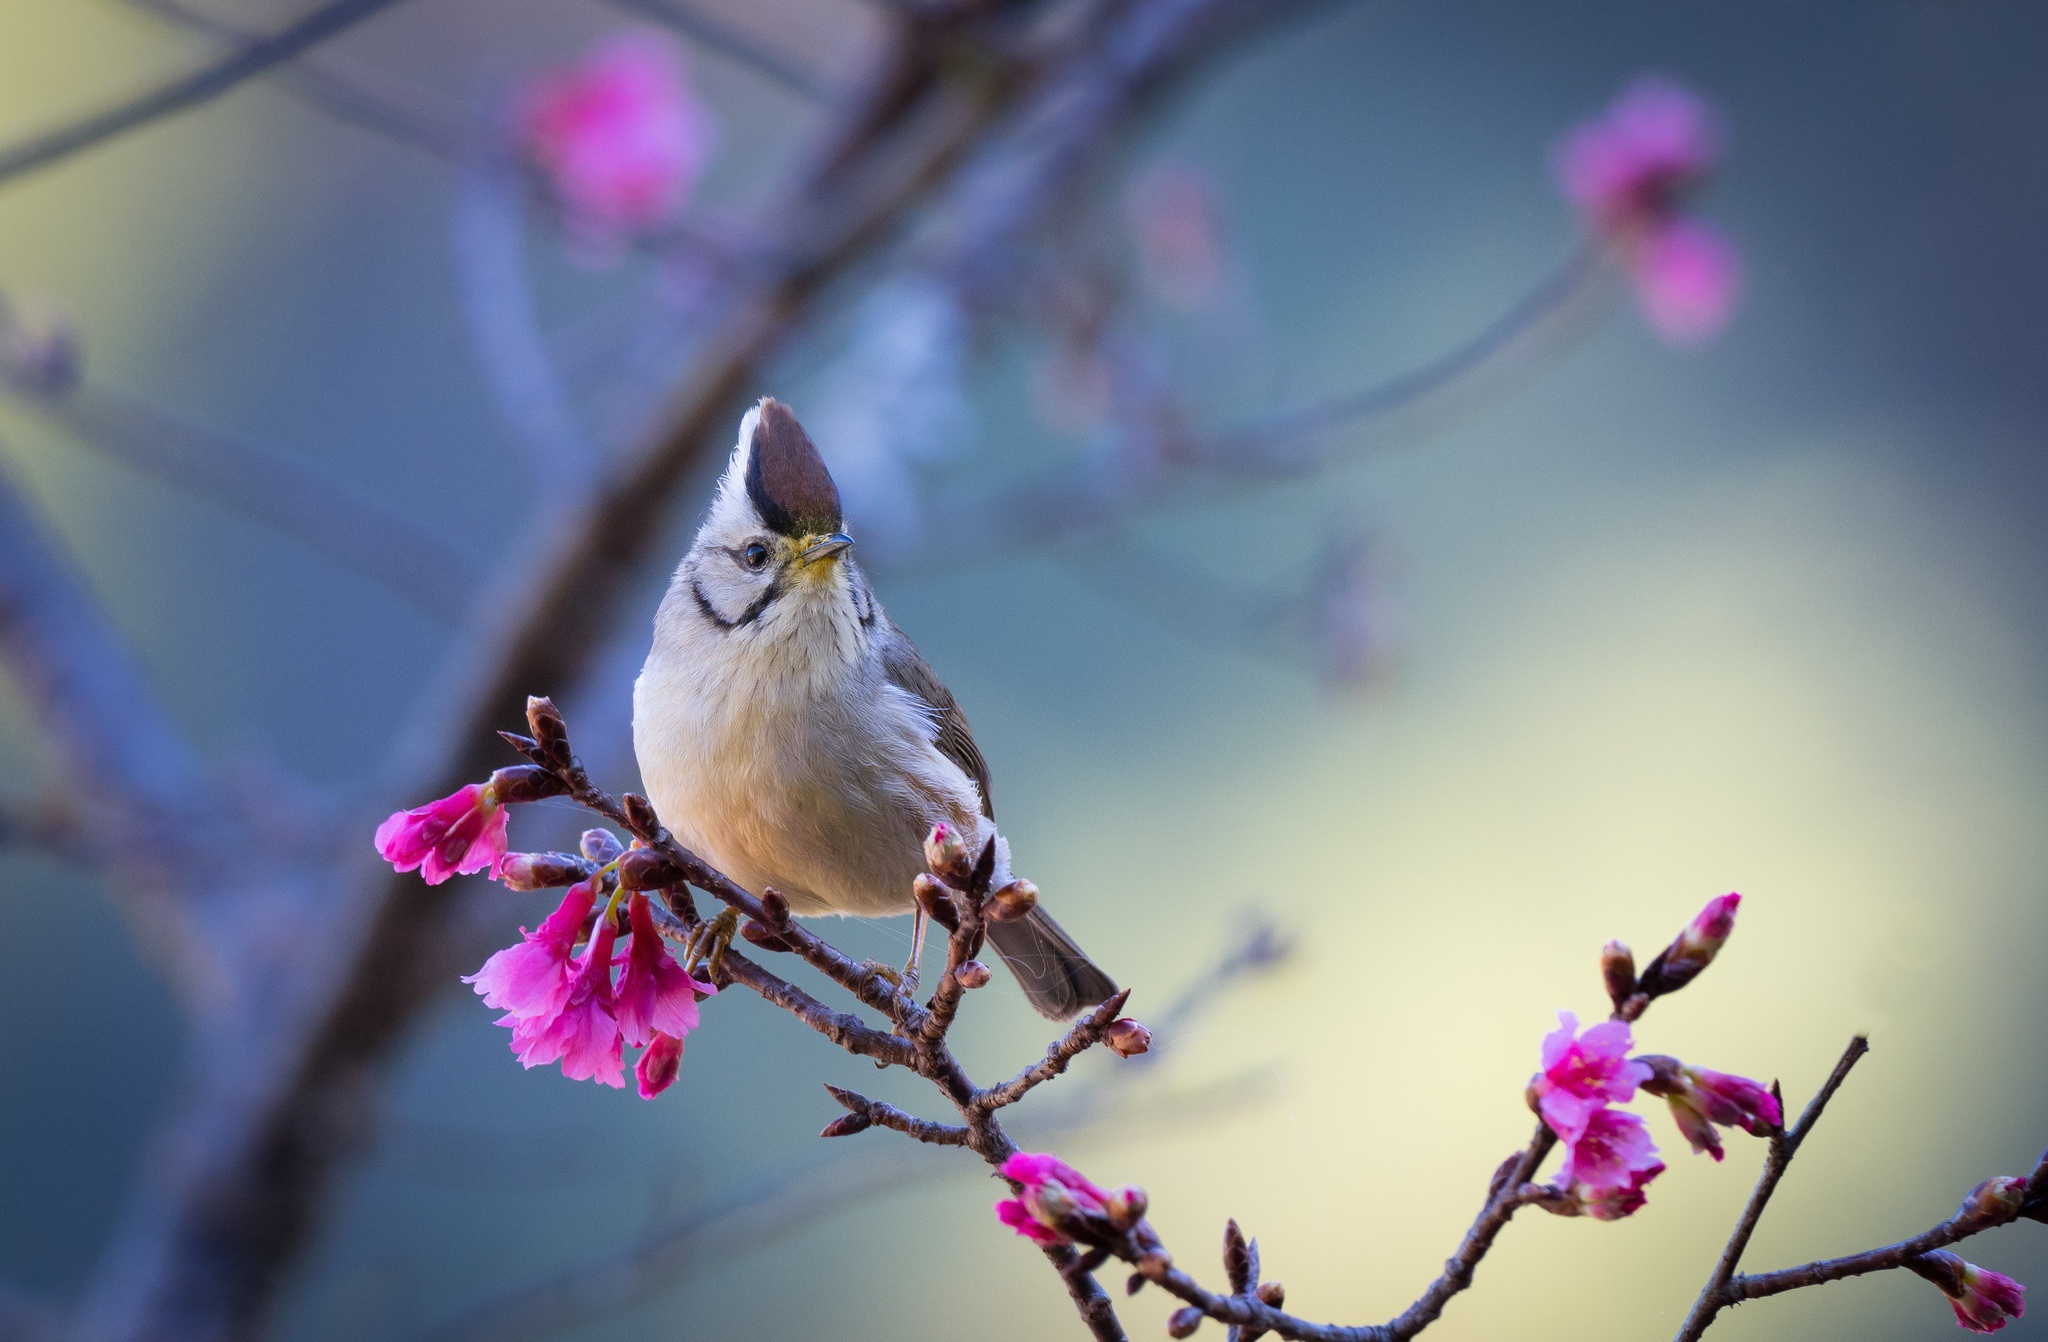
[(1600, 628)]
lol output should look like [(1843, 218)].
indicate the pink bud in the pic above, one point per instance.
[(1681, 962), (945, 852), (1995, 1201), (972, 974), (1127, 1039), (1127, 1206), (1984, 1301)]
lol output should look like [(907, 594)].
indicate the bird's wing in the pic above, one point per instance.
[(908, 671)]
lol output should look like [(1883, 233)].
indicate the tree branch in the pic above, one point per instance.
[(1087, 1032), (181, 94), (1714, 1298)]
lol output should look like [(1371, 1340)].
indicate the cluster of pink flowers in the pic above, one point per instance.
[(1609, 1157), (1984, 1301), (1628, 172), (567, 1008), (560, 1006), (620, 136)]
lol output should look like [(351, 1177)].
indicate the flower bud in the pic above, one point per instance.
[(1240, 1258), (550, 732), (543, 871), (640, 816), (522, 783), (1134, 1283), (1013, 901), (649, 869), (1127, 1206), (1681, 962), (1995, 1201), (1618, 972), (1127, 1039), (761, 936), (936, 901), (846, 1125), (973, 974), (1984, 1301), (601, 846), (945, 852), (774, 907), (1271, 1294), (1184, 1322)]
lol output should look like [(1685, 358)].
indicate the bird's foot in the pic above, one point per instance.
[(711, 941)]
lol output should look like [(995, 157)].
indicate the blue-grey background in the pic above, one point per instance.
[(1764, 617)]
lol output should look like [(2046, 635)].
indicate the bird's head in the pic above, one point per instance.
[(773, 553)]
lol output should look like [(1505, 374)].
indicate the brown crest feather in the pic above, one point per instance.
[(786, 478)]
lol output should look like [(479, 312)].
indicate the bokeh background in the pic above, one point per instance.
[(1763, 616)]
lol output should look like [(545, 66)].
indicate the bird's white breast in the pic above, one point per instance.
[(784, 761)]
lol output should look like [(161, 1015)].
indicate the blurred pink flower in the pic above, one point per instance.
[(1611, 1151), (458, 834), (657, 1068), (1701, 1098), (1582, 1075), (583, 1034), (1628, 171), (655, 996), (532, 978), (1687, 278), (1055, 1194), (1984, 1301), (620, 135)]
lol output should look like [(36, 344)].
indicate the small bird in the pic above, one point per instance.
[(791, 734)]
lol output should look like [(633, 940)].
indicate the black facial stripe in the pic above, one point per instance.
[(864, 603), (747, 616)]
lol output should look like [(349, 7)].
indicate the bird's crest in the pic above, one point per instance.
[(786, 479)]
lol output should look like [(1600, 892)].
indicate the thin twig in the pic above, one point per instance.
[(180, 94), (889, 1116), (1087, 1032), (1714, 1297)]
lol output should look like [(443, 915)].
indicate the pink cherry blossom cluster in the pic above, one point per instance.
[(620, 137), (581, 1010), (1609, 1157), (1629, 171)]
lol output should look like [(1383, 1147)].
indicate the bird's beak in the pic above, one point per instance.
[(827, 547)]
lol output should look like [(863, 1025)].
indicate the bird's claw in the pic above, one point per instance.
[(711, 941)]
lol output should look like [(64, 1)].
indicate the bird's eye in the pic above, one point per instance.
[(755, 555)]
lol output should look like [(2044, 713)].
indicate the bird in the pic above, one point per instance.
[(791, 735)]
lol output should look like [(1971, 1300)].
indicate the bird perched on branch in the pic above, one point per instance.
[(791, 734)]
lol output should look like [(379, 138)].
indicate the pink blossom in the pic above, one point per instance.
[(1055, 1200), (1701, 1098), (1611, 1204), (1582, 1075), (1627, 169), (657, 1068), (1710, 927), (531, 980), (1609, 1152), (1687, 277), (584, 1034), (456, 835), (621, 136), (655, 996), (1984, 1301)]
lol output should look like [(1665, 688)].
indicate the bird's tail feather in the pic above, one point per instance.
[(1057, 976)]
